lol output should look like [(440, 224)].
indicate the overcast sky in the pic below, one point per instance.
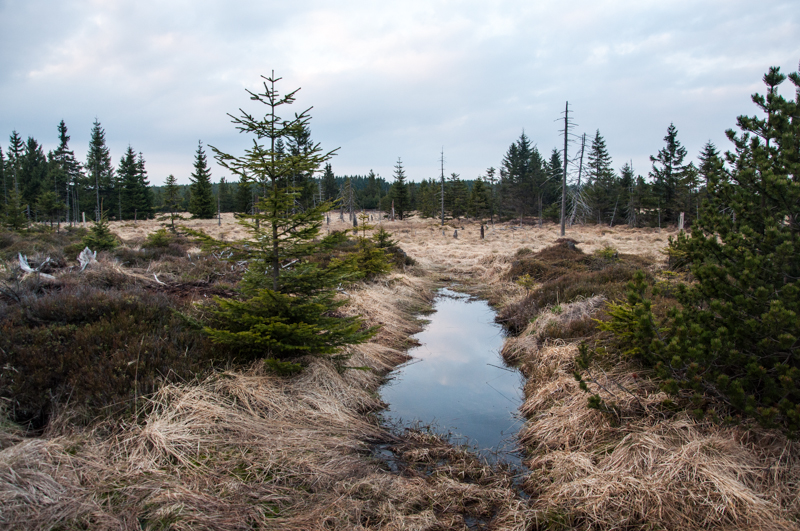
[(389, 79)]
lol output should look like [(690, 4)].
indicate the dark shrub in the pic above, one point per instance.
[(95, 350), (567, 274)]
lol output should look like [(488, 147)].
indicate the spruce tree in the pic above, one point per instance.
[(145, 207), (456, 196), (667, 174), (244, 195), (14, 216), (49, 205), (479, 200), (290, 311), (399, 191), (549, 191), (127, 173), (226, 199), (3, 174), (202, 203), (172, 198), (329, 187), (601, 193), (16, 148), (712, 167), (100, 171), (628, 207), (372, 191), (69, 173), (33, 173), (517, 186)]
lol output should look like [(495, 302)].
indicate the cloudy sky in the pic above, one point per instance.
[(389, 79)]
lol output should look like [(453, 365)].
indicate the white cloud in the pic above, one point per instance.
[(389, 79)]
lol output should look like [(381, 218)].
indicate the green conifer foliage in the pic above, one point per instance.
[(14, 216), (100, 237), (456, 197), (16, 148), (668, 174), (736, 334), (244, 195), (129, 182), (33, 173), (3, 174), (226, 199), (289, 305), (399, 192), (601, 181), (172, 198), (202, 204), (145, 203), (100, 171), (479, 200), (329, 188)]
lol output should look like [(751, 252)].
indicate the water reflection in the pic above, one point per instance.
[(457, 380)]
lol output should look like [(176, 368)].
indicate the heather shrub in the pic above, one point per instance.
[(94, 350)]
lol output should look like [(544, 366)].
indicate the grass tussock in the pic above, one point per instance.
[(566, 274), (246, 449), (634, 463)]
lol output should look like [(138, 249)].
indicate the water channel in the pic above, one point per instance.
[(456, 381)]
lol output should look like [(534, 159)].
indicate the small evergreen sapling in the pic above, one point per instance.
[(289, 302)]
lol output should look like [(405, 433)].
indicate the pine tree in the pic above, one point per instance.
[(202, 203), (100, 171), (399, 191), (290, 311), (736, 333), (667, 173)]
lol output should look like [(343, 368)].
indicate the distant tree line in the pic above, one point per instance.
[(56, 187)]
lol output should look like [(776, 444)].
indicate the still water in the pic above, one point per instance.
[(457, 381)]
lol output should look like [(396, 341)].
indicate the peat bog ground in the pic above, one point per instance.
[(193, 441)]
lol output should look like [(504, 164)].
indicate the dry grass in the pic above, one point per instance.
[(250, 450), (244, 450), (641, 467)]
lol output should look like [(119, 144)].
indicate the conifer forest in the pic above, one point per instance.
[(208, 351)]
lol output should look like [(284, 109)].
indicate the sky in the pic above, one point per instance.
[(390, 80)]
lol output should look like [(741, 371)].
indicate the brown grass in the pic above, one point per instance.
[(250, 450)]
